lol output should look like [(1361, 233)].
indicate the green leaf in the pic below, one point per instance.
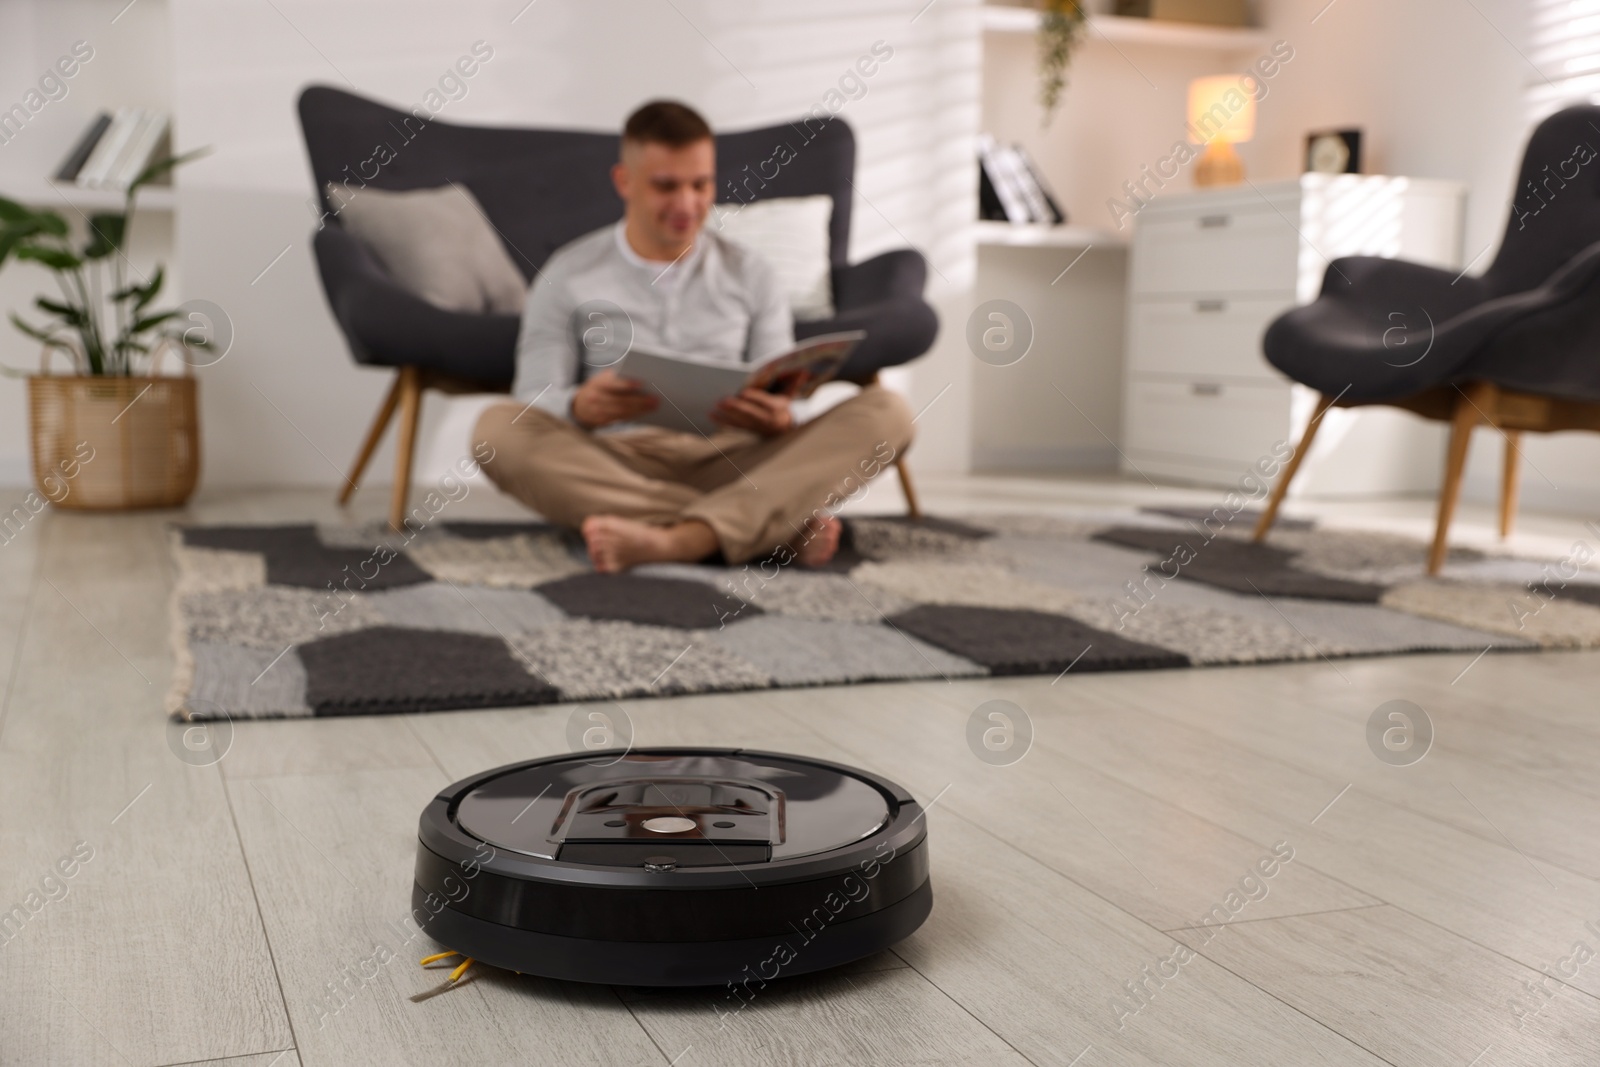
[(162, 166), (8, 241), (55, 258), (13, 215), (148, 293), (74, 316), (13, 235), (51, 223), (33, 331), (152, 320), (145, 293), (105, 235)]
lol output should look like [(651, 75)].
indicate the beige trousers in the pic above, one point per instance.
[(754, 492)]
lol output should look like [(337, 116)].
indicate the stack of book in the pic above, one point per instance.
[(115, 149), (1010, 188)]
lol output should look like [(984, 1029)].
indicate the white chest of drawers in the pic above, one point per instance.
[(1209, 271)]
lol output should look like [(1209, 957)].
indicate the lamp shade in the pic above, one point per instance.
[(1219, 110)]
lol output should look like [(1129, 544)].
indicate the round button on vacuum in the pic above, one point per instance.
[(668, 824)]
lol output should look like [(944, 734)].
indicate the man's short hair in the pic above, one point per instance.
[(666, 122)]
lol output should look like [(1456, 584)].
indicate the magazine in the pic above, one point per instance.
[(689, 387)]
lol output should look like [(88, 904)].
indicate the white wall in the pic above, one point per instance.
[(288, 407)]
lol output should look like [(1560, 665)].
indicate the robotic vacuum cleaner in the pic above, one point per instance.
[(671, 866)]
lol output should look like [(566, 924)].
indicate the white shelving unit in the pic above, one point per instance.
[(1118, 29)]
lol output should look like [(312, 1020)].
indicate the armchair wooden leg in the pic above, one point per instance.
[(1471, 407), (1281, 489), (410, 385), (1508, 482), (380, 423), (912, 507)]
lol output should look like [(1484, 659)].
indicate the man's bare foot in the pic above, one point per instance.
[(615, 543), (820, 542)]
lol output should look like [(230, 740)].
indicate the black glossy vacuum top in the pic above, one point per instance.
[(665, 811), (671, 866)]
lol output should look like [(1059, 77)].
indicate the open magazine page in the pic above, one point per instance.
[(798, 372), (689, 388)]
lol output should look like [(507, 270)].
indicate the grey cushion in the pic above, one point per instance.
[(437, 243), (791, 234)]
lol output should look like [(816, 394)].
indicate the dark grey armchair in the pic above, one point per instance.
[(1517, 347), (516, 174)]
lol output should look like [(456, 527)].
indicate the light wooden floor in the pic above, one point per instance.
[(223, 903)]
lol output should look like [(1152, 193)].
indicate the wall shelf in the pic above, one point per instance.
[(1119, 29), (39, 192), (1034, 235), (35, 155)]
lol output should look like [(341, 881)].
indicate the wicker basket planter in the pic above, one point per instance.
[(113, 442)]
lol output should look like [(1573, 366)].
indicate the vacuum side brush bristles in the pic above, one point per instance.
[(455, 975)]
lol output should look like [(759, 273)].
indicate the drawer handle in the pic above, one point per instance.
[(1212, 222), (1206, 389), (1210, 305)]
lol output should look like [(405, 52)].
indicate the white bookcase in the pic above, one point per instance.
[(1210, 271)]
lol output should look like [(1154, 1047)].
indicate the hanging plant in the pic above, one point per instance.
[(1061, 25)]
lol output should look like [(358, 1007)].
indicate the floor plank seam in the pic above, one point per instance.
[(952, 999), (1469, 939), (1207, 820), (668, 1060), (270, 776), (437, 762), (261, 919), (1275, 918), (1495, 839), (1149, 926), (1291, 1007), (242, 1055)]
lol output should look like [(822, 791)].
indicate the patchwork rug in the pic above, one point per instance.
[(274, 621)]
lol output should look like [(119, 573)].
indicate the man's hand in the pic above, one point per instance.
[(607, 398), (762, 412)]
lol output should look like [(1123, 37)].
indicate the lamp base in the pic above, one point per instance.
[(1219, 164)]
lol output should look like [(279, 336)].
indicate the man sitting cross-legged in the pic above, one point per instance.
[(645, 494)]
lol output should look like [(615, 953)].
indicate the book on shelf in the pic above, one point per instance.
[(995, 170), (1010, 188), (106, 149), (114, 149), (1048, 207), (141, 150), (75, 159)]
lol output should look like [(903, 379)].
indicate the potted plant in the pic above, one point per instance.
[(1061, 26), (111, 433)]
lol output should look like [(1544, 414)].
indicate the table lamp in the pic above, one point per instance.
[(1220, 113)]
